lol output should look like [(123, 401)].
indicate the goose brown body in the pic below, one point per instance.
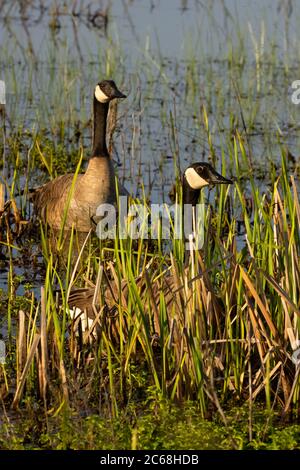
[(195, 177), (96, 186)]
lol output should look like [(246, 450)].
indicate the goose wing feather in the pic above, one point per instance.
[(50, 192)]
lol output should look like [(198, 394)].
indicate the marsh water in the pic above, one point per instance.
[(237, 58)]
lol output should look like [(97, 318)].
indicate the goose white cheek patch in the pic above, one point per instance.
[(100, 95), (2, 92), (194, 180)]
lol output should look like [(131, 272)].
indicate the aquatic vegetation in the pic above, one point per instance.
[(186, 344)]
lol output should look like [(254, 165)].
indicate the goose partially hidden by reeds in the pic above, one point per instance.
[(83, 301), (74, 203)]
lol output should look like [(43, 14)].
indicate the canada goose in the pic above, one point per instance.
[(196, 177), (80, 301), (94, 187)]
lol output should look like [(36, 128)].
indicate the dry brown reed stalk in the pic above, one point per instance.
[(29, 359), (44, 350), (21, 345)]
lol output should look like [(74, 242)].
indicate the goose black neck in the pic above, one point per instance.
[(189, 195), (99, 131)]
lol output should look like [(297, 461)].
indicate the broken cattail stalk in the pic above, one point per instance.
[(64, 383), (44, 354), (22, 381), (16, 212), (21, 350)]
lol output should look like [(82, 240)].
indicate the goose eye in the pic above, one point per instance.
[(201, 171)]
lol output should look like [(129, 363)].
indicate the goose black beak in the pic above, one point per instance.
[(216, 178), (119, 94)]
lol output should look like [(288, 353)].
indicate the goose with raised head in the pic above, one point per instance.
[(76, 203), (81, 301), (197, 176)]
